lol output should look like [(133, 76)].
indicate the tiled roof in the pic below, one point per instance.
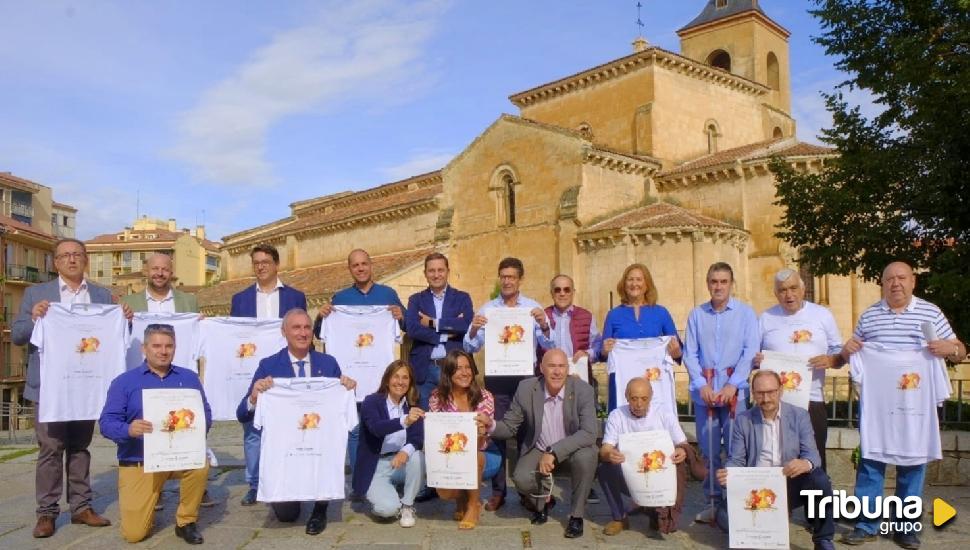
[(161, 235), (17, 226), (711, 13), (19, 183), (318, 281), (785, 147), (658, 215)]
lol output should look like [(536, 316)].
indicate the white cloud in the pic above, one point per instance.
[(352, 51), (808, 106), (420, 162)]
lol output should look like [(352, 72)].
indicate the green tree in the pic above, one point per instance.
[(898, 189)]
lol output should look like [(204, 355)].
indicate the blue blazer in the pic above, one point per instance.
[(244, 301), (797, 437), (456, 316), (23, 325), (279, 366), (375, 424)]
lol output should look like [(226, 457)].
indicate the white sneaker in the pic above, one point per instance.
[(407, 516), (706, 516)]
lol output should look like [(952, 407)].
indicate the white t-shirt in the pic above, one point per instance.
[(900, 388), (186, 327), (362, 340), (622, 421), (82, 349), (304, 423), (808, 332), (232, 348), (645, 358)]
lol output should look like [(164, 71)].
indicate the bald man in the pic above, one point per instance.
[(897, 320), (159, 296), (636, 416)]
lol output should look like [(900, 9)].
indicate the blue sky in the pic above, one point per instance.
[(228, 111)]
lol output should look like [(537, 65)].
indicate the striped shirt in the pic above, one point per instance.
[(881, 324)]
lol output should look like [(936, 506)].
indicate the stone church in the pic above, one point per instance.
[(657, 157)]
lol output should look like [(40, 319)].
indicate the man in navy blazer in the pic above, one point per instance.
[(774, 433), (267, 299), (63, 445), (436, 319), (292, 362)]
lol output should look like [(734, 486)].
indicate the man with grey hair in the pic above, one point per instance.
[(798, 327)]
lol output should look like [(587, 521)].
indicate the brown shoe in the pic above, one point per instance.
[(90, 518), (44, 527), (494, 502), (615, 527)]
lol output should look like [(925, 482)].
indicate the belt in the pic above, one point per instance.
[(127, 463), (388, 455)]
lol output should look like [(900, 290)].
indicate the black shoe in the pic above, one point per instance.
[(593, 498), (426, 494), (541, 516), (907, 540), (189, 533), (316, 524), (574, 529), (824, 545), (857, 537), (250, 498)]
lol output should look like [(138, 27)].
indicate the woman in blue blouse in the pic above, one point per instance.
[(637, 316)]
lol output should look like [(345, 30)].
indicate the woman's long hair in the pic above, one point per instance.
[(448, 368), (412, 394)]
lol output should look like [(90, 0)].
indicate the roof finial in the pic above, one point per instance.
[(640, 44)]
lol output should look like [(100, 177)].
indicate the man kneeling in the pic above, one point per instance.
[(122, 421), (774, 433)]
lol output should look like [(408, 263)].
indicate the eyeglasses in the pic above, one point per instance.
[(262, 263), (70, 255), (562, 290), (768, 393)]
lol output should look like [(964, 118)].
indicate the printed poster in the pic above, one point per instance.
[(757, 501), (796, 376), (451, 450), (177, 440), (509, 342), (650, 474)]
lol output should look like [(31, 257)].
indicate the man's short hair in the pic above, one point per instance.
[(266, 249), (159, 328), (59, 242), (435, 256), (295, 311), (552, 282), (514, 263), (356, 250), (720, 266), (764, 372)]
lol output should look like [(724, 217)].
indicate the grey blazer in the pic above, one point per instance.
[(797, 437), (23, 325), (579, 412)]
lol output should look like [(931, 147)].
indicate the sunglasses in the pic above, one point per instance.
[(562, 290)]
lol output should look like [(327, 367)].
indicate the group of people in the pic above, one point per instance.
[(551, 415)]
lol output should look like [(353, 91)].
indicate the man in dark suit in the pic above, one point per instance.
[(292, 362), (61, 443), (558, 414), (774, 433), (436, 319), (267, 299)]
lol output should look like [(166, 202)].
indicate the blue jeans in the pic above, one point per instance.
[(869, 481), (353, 440), (251, 440), (382, 493), (720, 425), (429, 384), (493, 461)]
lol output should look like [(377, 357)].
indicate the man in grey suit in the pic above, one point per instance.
[(558, 414), (774, 433), (159, 296), (58, 440)]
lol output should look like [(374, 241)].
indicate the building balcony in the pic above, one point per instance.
[(27, 274)]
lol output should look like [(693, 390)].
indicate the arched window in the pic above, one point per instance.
[(720, 59), (713, 132), (503, 187), (777, 133), (508, 185), (808, 277), (773, 78)]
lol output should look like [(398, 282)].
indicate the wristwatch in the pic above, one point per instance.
[(431, 324)]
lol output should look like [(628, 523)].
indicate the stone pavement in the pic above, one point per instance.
[(229, 525)]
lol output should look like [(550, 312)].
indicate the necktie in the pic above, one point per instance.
[(302, 372)]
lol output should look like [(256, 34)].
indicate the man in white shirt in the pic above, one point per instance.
[(797, 327), (898, 319), (159, 295), (63, 445), (636, 416), (774, 433)]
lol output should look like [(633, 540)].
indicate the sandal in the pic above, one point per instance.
[(470, 520)]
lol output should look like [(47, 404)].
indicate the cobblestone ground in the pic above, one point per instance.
[(229, 525)]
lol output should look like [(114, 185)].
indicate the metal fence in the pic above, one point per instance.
[(14, 417)]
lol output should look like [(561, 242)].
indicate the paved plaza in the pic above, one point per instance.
[(229, 525)]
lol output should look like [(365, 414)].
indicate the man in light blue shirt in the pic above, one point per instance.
[(510, 274), (722, 339)]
